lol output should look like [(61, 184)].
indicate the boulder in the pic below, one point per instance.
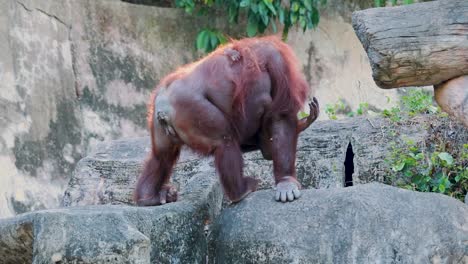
[(452, 97), (100, 225), (115, 232), (108, 174), (330, 154), (173, 233), (371, 223)]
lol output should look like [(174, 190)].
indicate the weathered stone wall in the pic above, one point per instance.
[(40, 120), (73, 73)]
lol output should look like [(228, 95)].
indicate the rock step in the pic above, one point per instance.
[(173, 233), (371, 223)]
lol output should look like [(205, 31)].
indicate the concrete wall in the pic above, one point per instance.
[(73, 73)]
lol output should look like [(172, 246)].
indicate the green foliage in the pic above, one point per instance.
[(362, 109), (418, 102), (437, 165), (333, 109), (340, 107), (302, 114), (431, 168), (382, 3), (394, 114), (208, 40), (430, 171), (414, 102), (260, 15)]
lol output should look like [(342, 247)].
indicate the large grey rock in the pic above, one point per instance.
[(173, 233), (109, 173), (452, 97), (370, 223)]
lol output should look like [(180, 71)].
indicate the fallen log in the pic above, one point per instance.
[(415, 45)]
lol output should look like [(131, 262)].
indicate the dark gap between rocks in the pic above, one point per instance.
[(349, 166)]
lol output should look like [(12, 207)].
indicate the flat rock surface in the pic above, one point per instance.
[(109, 173), (371, 223), (173, 233)]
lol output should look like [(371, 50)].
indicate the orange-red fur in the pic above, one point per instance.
[(288, 94)]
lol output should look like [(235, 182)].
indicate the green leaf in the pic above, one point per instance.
[(293, 17), (213, 41), (419, 156), (441, 188), (399, 166), (233, 14), (284, 35), (244, 3), (303, 23), (261, 27), (222, 39), (252, 27), (302, 114), (432, 109), (270, 6), (202, 40), (379, 3), (273, 25), (446, 157), (281, 16), (189, 9), (295, 7), (265, 19), (254, 7), (308, 4), (262, 9), (315, 16)]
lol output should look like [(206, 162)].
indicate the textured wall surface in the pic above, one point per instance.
[(73, 73), (40, 119)]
